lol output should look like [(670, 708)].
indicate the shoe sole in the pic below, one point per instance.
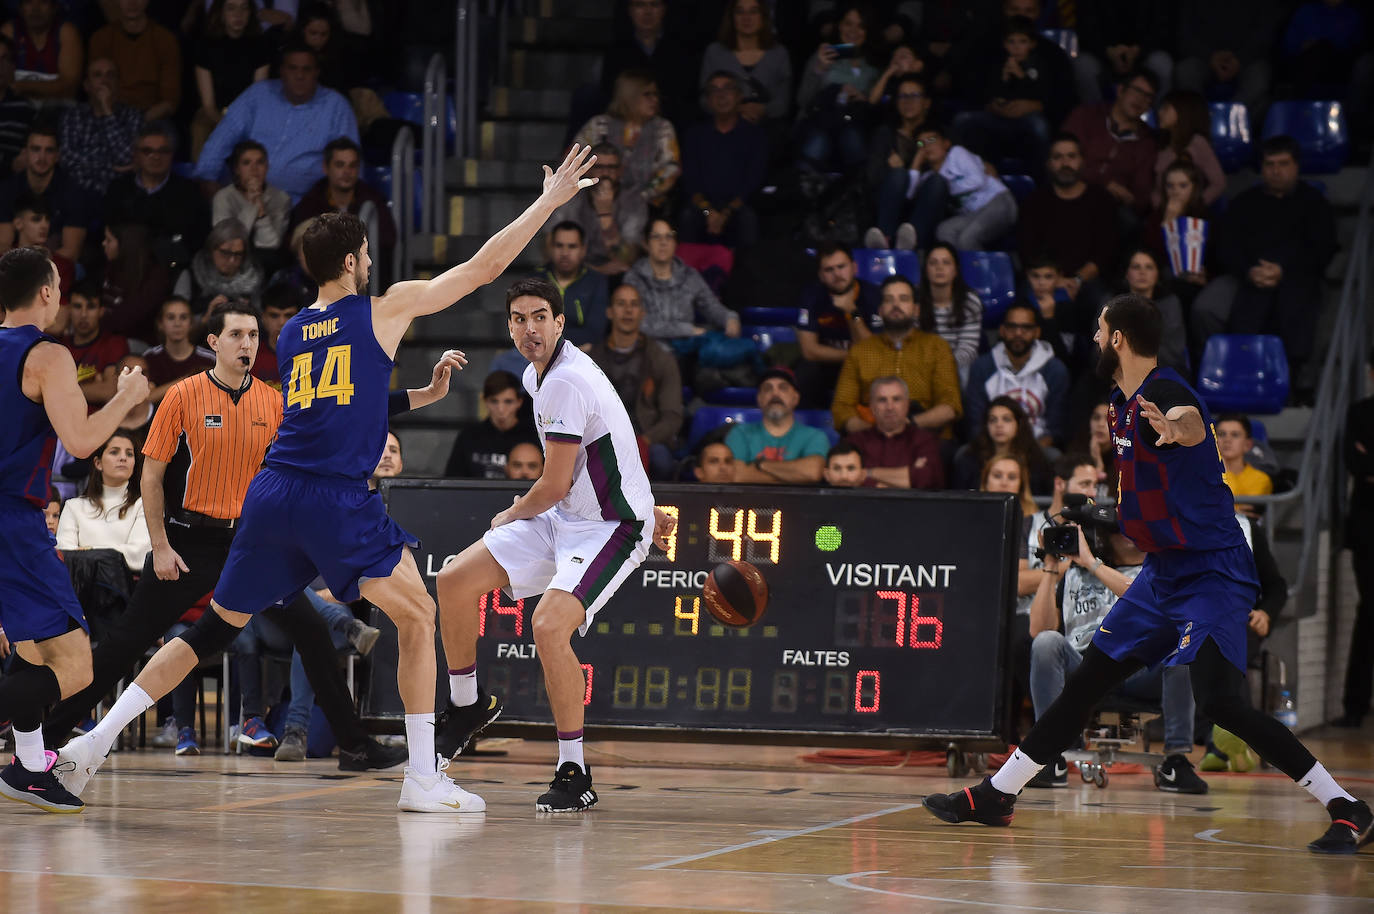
[(1346, 849), (472, 737), (288, 758), (29, 799), (544, 807), (1193, 792), (438, 808), (194, 750), (952, 817), (249, 743)]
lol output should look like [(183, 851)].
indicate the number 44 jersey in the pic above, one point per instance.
[(335, 379)]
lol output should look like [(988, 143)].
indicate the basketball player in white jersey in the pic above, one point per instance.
[(579, 531)]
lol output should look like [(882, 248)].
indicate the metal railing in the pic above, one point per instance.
[(432, 135), (465, 78), (402, 202)]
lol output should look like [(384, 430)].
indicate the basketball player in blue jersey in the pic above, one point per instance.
[(574, 537), (1192, 600), (310, 511), (41, 402)]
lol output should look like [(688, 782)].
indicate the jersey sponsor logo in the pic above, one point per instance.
[(214, 422), (577, 560), (259, 422)]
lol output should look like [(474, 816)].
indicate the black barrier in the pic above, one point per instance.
[(888, 616)]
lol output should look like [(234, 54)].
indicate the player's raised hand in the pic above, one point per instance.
[(1168, 433), (562, 185), (131, 379), (451, 361)]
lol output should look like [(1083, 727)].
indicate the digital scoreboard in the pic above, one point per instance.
[(887, 616)]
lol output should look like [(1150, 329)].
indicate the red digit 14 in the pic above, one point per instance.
[(910, 633), (518, 611)]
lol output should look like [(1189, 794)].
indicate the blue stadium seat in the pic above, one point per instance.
[(1065, 38), (1241, 373), (410, 106), (1319, 128), (1231, 135), (731, 396), (875, 265), (767, 337), (1258, 433), (1019, 185), (990, 275), (379, 177), (709, 418), (821, 419), (769, 316)]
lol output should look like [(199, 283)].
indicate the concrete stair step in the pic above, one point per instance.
[(478, 320), (435, 253), (526, 104), (491, 174), (540, 141), (535, 68), (485, 212)]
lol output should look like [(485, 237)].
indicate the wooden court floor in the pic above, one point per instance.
[(679, 827)]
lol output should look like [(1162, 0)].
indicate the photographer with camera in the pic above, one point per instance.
[(1080, 584)]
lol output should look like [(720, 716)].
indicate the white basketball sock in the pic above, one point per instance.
[(126, 710), (1322, 785), (1016, 773), (28, 749), (420, 742), (462, 686), (570, 749)]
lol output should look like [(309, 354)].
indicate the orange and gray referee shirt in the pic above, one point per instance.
[(214, 440)]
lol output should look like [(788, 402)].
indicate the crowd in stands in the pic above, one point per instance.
[(1072, 142)]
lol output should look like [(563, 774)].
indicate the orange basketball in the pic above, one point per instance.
[(736, 594)]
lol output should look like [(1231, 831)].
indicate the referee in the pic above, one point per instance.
[(206, 443)]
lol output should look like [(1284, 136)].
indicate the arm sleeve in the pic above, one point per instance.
[(969, 333), (975, 398), (735, 441), (669, 393), (1166, 395), (564, 411), (811, 442), (397, 402), (1273, 587), (1205, 158), (165, 432), (269, 231), (706, 303), (931, 475)]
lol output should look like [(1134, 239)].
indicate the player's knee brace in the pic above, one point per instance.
[(209, 634)]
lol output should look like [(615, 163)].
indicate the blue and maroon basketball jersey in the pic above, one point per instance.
[(335, 379), (1171, 497), (27, 439)]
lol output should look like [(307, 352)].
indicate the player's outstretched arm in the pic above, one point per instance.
[(50, 372), (409, 300), (1181, 425)]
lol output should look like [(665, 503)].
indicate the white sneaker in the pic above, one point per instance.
[(436, 793), (874, 239), (166, 736), (906, 239), (77, 762)]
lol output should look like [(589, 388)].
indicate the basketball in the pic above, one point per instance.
[(736, 594)]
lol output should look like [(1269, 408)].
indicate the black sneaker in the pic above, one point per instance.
[(372, 756), (455, 727), (1055, 774), (570, 791), (40, 789), (980, 803), (1352, 827), (1176, 775)]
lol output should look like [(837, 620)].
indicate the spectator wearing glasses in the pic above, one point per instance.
[(1119, 149), (98, 134), (222, 272), (1022, 366), (892, 153), (984, 210), (613, 221), (169, 206), (674, 294), (650, 162)]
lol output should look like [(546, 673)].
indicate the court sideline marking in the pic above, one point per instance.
[(780, 837)]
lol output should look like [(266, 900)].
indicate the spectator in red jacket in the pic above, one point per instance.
[(897, 453)]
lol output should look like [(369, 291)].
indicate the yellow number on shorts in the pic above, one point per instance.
[(336, 380)]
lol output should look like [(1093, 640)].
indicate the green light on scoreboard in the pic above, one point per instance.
[(828, 538)]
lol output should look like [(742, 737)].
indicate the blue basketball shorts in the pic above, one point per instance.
[(36, 596), (1179, 600), (294, 526)]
